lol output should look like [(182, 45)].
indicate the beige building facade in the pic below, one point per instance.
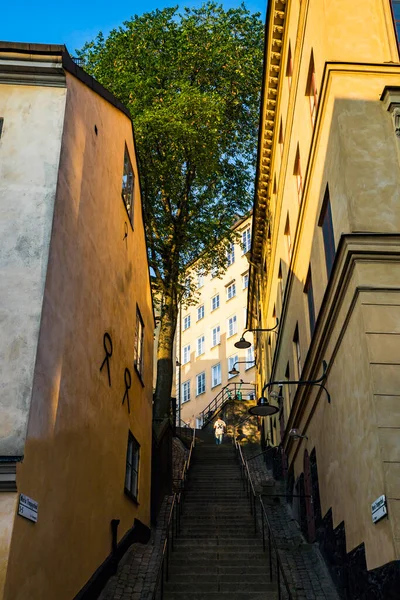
[(325, 261), (207, 332), (76, 349)]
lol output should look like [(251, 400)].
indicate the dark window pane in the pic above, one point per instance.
[(310, 300)]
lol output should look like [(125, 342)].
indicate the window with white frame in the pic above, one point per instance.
[(200, 345), (200, 383), (232, 325), (186, 354), (128, 181), (216, 335), (132, 468), (250, 358), (216, 375), (245, 281), (214, 272), (231, 291), (200, 280), (185, 391), (231, 363), (200, 312), (187, 287), (186, 322), (246, 240), (230, 255), (138, 347), (215, 302)]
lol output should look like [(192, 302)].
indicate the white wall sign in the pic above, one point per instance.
[(28, 508), (379, 509)]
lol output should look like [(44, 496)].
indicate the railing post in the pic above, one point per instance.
[(270, 555), (262, 525), (255, 513), (167, 565), (279, 581)]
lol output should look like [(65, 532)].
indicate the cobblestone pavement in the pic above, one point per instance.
[(138, 569), (304, 567)]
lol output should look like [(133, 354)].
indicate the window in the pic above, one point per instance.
[(1, 125), (128, 185), (325, 221), (311, 89), (200, 345), (215, 302), (186, 354), (232, 325), (308, 289), (230, 255), (200, 280), (289, 67), (185, 391), (297, 351), (245, 281), (186, 322), (297, 173), (231, 362), (250, 358), (246, 240), (138, 350), (187, 288), (200, 312), (132, 468), (280, 139), (200, 383), (214, 272), (231, 291), (216, 336), (396, 16), (216, 375), (288, 238)]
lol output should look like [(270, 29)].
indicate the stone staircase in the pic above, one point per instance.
[(217, 554)]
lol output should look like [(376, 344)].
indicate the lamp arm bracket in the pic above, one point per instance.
[(318, 382)]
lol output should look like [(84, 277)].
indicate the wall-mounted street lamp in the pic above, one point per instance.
[(318, 382), (234, 371), (243, 344)]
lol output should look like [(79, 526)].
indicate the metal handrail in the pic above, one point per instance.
[(223, 396), (173, 526), (272, 545)]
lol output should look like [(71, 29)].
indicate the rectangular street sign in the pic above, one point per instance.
[(28, 508), (379, 509)]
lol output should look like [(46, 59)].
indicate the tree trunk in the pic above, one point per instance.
[(165, 363)]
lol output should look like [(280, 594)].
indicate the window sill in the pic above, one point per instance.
[(214, 309), (201, 393), (229, 299), (185, 401), (138, 373), (216, 385), (131, 496), (232, 334), (215, 345)]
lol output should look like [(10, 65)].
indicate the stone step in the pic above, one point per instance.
[(223, 595), (227, 586), (212, 568), (185, 541), (223, 554)]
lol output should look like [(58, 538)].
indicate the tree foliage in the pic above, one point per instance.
[(191, 81)]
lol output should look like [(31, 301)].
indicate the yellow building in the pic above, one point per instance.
[(325, 261), (207, 332), (77, 330)]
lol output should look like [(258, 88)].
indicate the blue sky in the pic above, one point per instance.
[(77, 22)]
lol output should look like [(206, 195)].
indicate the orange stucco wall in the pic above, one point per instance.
[(75, 453)]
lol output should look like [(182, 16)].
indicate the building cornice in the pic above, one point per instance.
[(272, 75)]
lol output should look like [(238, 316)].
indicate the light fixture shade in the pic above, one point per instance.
[(242, 344), (263, 408), (234, 371)]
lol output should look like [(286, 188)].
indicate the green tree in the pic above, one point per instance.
[(192, 83)]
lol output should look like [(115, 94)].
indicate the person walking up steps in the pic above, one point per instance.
[(219, 429)]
